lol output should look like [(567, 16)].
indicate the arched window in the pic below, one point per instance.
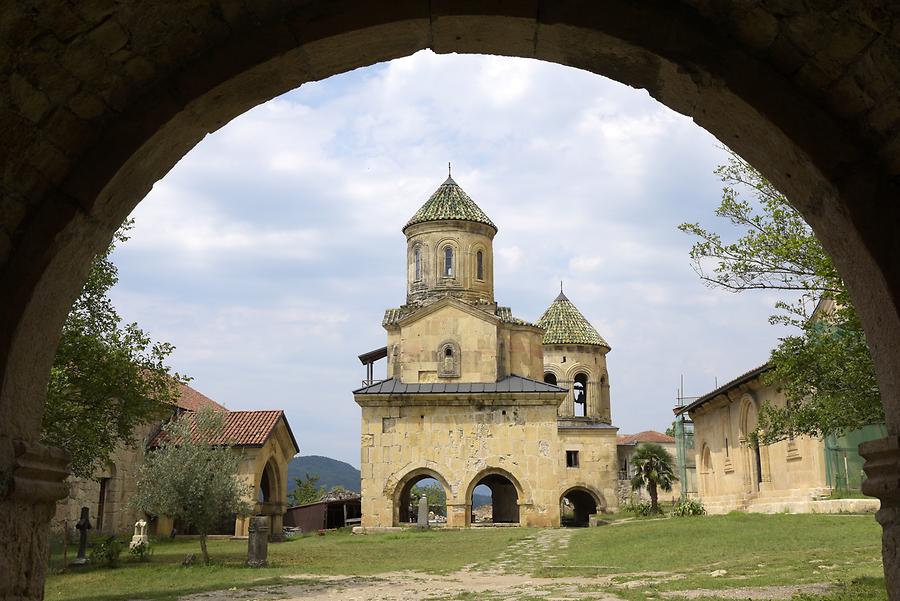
[(448, 261), (479, 265), (579, 395), (417, 261), (448, 360), (550, 378)]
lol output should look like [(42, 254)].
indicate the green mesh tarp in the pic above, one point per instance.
[(843, 464)]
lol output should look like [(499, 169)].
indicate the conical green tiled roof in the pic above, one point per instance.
[(563, 323), (449, 202)]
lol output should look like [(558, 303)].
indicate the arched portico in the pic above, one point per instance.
[(580, 502), (95, 121), (401, 493), (507, 495)]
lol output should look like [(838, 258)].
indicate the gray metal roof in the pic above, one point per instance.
[(742, 379), (510, 383)]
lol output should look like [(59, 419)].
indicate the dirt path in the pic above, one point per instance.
[(507, 578)]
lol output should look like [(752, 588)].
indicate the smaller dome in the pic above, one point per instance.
[(449, 202), (563, 323)]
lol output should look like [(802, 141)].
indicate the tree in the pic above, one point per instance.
[(435, 494), (825, 370), (192, 476), (306, 490), (107, 378), (653, 470)]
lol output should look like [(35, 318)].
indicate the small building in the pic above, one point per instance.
[(335, 510), (263, 438), (788, 475)]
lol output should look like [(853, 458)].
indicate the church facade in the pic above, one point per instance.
[(475, 396)]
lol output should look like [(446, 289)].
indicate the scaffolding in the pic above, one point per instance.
[(686, 458)]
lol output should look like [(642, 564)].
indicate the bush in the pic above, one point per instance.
[(641, 508), (141, 551), (107, 552), (688, 507)]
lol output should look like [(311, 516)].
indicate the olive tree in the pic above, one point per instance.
[(192, 475)]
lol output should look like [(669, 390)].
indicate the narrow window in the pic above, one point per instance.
[(579, 395), (479, 265), (571, 458), (726, 447), (448, 262), (417, 260)]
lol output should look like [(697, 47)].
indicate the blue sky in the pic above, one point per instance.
[(269, 253)]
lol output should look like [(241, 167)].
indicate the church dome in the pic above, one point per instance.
[(563, 323), (449, 202)]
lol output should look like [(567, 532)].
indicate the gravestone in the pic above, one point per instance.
[(83, 525), (258, 542), (423, 512), (140, 534)]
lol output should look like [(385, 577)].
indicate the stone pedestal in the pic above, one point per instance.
[(883, 481), (258, 542), (32, 479)]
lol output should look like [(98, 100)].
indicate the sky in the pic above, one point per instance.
[(269, 253)]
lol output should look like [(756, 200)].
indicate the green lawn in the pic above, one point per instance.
[(163, 577), (742, 550)]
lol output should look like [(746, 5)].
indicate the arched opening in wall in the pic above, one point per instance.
[(576, 505), (580, 395), (409, 495), (448, 262), (494, 500), (707, 476), (479, 265), (550, 378), (156, 155)]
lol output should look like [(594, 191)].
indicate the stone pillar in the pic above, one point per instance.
[(882, 469), (457, 515), (422, 513), (258, 542), (32, 480)]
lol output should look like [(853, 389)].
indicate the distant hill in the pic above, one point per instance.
[(331, 472)]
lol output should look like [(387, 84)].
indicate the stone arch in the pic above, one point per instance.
[(268, 483), (486, 263), (449, 359), (754, 458), (423, 266), (707, 471), (555, 371), (830, 149), (498, 478), (400, 490), (458, 267), (586, 500)]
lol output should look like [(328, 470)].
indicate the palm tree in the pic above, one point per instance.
[(653, 469)]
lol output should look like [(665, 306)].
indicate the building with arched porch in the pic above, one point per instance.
[(476, 398), (262, 438), (789, 475)]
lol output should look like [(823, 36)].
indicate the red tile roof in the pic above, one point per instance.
[(645, 436), (191, 400), (241, 428)]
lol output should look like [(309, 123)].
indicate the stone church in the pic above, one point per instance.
[(475, 396)]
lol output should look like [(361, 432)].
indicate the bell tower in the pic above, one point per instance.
[(450, 250)]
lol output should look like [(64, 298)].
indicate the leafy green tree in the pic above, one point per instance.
[(653, 471), (825, 370), (306, 490), (107, 377), (192, 476), (435, 494)]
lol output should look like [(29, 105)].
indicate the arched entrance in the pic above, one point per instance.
[(76, 164), (417, 483), (577, 504), (504, 493)]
